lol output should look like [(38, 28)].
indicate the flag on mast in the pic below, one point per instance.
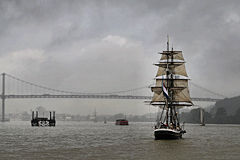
[(165, 92)]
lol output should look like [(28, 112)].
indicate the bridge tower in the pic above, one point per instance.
[(3, 97)]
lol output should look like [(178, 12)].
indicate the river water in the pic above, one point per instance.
[(88, 140)]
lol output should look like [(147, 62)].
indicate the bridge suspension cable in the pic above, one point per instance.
[(73, 92), (104, 93), (100, 93), (207, 90)]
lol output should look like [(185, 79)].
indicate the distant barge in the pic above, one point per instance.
[(121, 122), (42, 122)]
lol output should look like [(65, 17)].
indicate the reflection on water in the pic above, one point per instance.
[(87, 140)]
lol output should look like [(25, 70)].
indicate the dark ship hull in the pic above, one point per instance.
[(163, 133)]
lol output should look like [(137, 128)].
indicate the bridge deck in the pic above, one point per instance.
[(96, 97)]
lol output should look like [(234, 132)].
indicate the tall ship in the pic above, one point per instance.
[(121, 122), (171, 93)]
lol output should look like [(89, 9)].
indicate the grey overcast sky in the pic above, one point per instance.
[(110, 45)]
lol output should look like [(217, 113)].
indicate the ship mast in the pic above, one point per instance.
[(167, 75)]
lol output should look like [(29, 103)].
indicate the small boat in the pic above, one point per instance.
[(121, 122), (170, 94), (42, 121)]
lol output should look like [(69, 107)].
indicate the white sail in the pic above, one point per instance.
[(161, 71), (156, 90), (182, 96), (177, 70), (180, 70), (179, 96), (158, 97), (178, 55), (179, 85), (176, 83)]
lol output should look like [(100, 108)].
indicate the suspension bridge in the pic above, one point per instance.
[(39, 91)]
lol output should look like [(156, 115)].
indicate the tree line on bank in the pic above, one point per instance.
[(220, 117), (226, 111)]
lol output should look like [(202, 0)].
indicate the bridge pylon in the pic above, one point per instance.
[(3, 97)]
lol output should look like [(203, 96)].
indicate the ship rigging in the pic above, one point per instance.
[(170, 94)]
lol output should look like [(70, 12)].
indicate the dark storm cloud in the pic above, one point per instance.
[(114, 43)]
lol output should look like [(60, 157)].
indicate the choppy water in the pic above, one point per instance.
[(87, 140)]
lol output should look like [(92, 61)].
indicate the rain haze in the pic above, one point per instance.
[(107, 46)]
